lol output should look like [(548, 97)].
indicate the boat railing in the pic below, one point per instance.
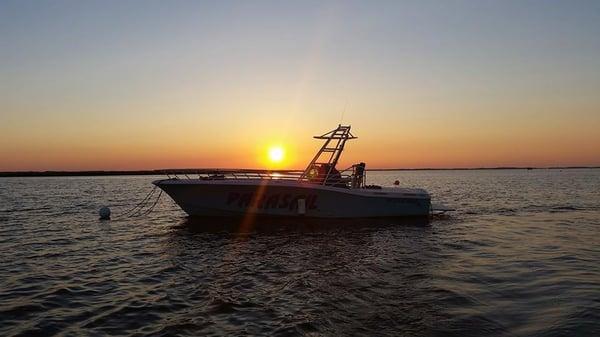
[(226, 174)]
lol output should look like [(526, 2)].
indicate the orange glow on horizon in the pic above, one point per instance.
[(397, 143), (411, 145)]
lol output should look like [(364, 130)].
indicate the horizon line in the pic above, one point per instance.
[(66, 173)]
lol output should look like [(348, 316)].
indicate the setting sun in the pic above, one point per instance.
[(276, 154)]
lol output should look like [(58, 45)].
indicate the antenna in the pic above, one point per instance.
[(344, 111)]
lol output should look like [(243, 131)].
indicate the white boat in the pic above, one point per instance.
[(320, 191)]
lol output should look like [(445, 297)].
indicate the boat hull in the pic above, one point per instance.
[(272, 198)]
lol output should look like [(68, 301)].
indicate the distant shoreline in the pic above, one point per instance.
[(192, 171)]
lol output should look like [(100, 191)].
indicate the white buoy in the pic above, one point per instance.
[(104, 213)]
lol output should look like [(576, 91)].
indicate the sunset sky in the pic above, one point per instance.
[(172, 84)]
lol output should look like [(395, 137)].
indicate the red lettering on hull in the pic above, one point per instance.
[(271, 201)]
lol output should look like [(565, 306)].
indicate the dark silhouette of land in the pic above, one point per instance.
[(216, 170)]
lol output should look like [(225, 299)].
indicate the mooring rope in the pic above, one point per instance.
[(147, 211), (138, 210)]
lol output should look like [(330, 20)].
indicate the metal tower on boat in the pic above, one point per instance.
[(323, 164)]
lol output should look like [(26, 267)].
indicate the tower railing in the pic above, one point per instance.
[(324, 162)]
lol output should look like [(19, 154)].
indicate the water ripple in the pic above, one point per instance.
[(519, 257)]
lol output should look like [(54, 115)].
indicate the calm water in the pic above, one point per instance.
[(521, 256)]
